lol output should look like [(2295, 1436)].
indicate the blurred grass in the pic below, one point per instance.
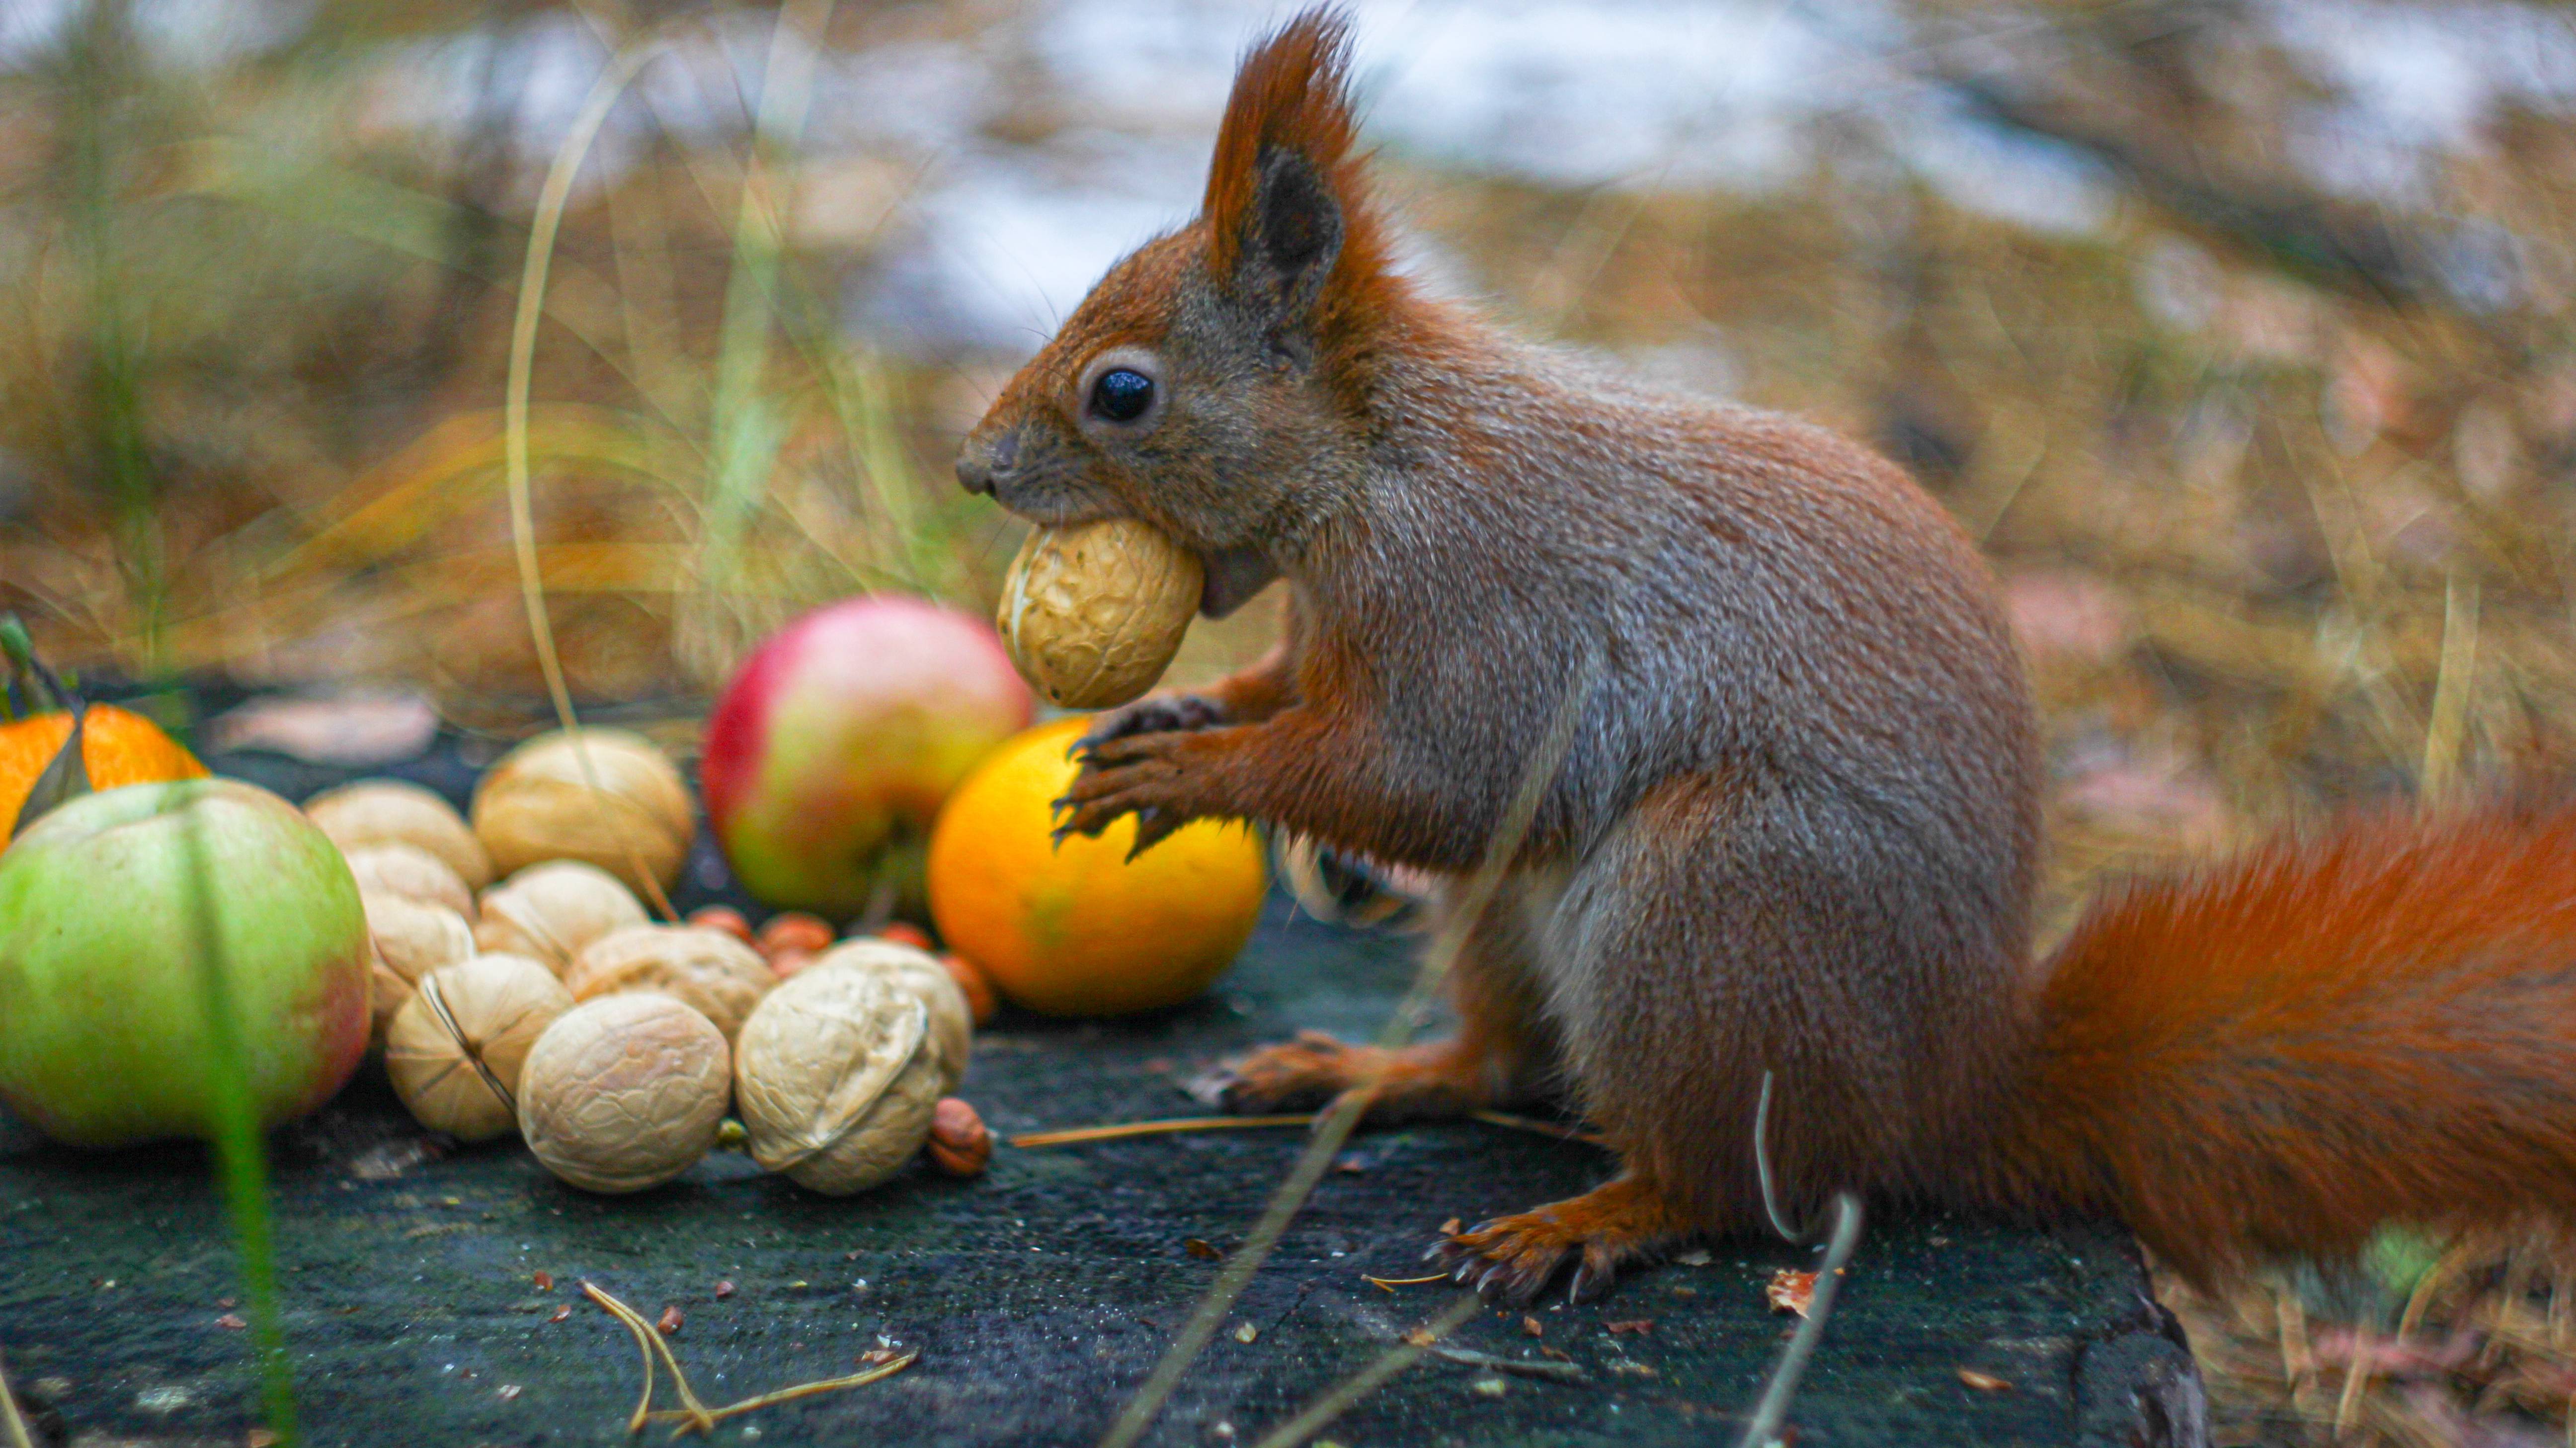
[(2283, 523)]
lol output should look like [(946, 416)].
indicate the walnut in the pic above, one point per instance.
[(412, 872), (836, 1079), (605, 796), (549, 912), (394, 811), (625, 1092), (410, 940), (952, 1021), (709, 969), (455, 1049), (1092, 615)]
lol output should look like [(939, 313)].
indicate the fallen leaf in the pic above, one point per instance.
[(227, 1303), (360, 727), (1984, 1382), (669, 1321), (1452, 1227), (1634, 1324), (507, 1392), (1246, 1332), (1560, 1354), (723, 1291), (260, 1438), (876, 1356), (561, 1313), (1198, 1247), (1790, 1291), (1419, 1337), (231, 1322), (1531, 1325), (545, 1281)]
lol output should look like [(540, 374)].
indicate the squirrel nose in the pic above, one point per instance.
[(984, 459)]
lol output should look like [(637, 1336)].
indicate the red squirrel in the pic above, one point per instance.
[(1794, 832)]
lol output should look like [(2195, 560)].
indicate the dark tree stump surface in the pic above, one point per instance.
[(1039, 1295)]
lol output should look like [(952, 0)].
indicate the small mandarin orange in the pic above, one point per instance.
[(118, 748), (1079, 929)]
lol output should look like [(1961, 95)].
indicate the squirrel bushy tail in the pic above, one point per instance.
[(2279, 1053)]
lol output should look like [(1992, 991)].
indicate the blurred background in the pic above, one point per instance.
[(2239, 330)]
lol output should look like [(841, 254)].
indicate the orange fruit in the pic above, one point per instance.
[(118, 747), (1079, 930)]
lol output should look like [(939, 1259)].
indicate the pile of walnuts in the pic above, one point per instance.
[(548, 1002)]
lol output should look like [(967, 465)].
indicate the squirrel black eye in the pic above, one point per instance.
[(1122, 394)]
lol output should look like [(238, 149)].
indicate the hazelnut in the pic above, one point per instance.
[(411, 872), (394, 811), (549, 912), (796, 930), (455, 1049), (959, 1145), (624, 1093), (904, 932), (716, 974), (1092, 615), (724, 918), (836, 1079), (981, 1000), (606, 796), (952, 1021)]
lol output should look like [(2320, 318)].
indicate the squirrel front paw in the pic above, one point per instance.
[(1147, 775), (1420, 1083), (1288, 1076), (1154, 714)]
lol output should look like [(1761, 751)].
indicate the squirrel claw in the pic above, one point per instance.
[(1514, 1258), (1159, 714), (1153, 826)]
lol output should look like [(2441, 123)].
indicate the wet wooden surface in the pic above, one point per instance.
[(1039, 1296)]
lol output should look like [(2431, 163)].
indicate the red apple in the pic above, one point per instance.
[(831, 750)]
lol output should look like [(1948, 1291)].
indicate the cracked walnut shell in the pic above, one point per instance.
[(836, 1079), (455, 1049), (952, 1021)]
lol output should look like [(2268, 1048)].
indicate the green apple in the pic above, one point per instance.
[(118, 910)]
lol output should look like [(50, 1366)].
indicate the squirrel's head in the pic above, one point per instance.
[(1210, 379)]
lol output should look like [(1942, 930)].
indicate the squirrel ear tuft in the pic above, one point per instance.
[(1286, 206)]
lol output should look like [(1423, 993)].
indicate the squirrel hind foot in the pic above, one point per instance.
[(1619, 1224)]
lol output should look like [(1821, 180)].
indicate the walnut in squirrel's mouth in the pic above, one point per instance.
[(1093, 614)]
